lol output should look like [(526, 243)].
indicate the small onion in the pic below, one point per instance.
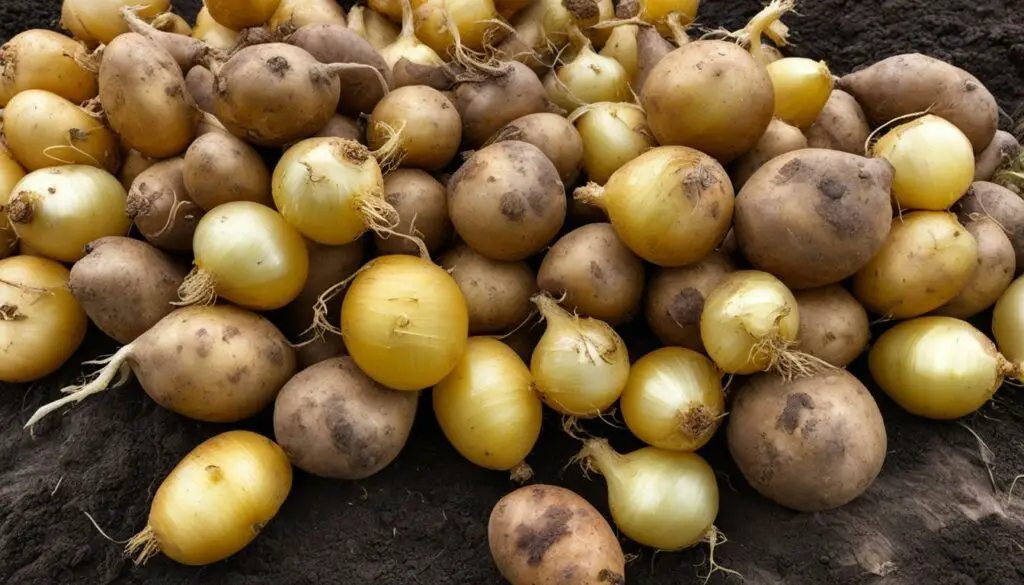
[(216, 500), (405, 322), (488, 409), (248, 254), (666, 500), (59, 210), (613, 134), (239, 14), (580, 365), (938, 367), (588, 78), (212, 32), (97, 22), (41, 323), (369, 24), (10, 173), (1008, 322), (407, 46), (674, 399), (300, 13), (475, 22), (622, 46), (47, 60), (933, 162), (802, 88)]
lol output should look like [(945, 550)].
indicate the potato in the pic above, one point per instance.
[(507, 201), (732, 90), (406, 72), (555, 136), (333, 43), (600, 276), (547, 535), (985, 199), (427, 122), (778, 139), (159, 204), (220, 167), (421, 203), (125, 286), (912, 82), (340, 126), (497, 293), (1003, 148), (841, 125), (675, 299), (833, 325), (334, 421), (47, 60), (810, 444), (813, 217), (992, 275), (133, 165), (487, 104), (139, 84), (186, 51), (651, 48), (200, 83)]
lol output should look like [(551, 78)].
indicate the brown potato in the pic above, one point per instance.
[(429, 126), (779, 138), (651, 48), (507, 201), (833, 325), (186, 51), (133, 165), (547, 535), (675, 299), (600, 276), (841, 125), (555, 136), (125, 286), (813, 217), (994, 272), (319, 349), (1003, 148), (419, 198), (810, 444), (912, 82), (334, 421), (159, 204), (497, 293), (490, 103), (220, 167), (985, 199), (340, 126), (200, 83)]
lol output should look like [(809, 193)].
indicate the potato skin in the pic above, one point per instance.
[(334, 421), (200, 81), (841, 125), (779, 138), (487, 105), (811, 444), (675, 298), (547, 535), (555, 136), (833, 325), (993, 274), (154, 197), (497, 293), (986, 199), (416, 195), (125, 286), (1003, 147), (220, 167), (814, 217)]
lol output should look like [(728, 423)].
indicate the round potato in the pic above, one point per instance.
[(779, 138), (986, 199), (675, 299), (554, 135), (841, 125), (497, 293), (422, 206), (833, 326)]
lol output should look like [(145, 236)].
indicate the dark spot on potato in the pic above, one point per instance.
[(714, 210), (201, 333), (275, 355), (535, 542), (596, 271), (789, 420), (491, 179), (237, 375), (347, 438), (832, 189), (173, 90), (788, 172), (513, 206), (770, 457), (830, 337), (278, 65), (179, 348), (686, 307), (203, 349), (611, 577), (216, 473), (230, 332), (809, 426), (581, 9)]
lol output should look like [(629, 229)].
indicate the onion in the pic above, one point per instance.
[(216, 500), (580, 365), (802, 88), (332, 190), (41, 323), (613, 134), (657, 12), (488, 409), (407, 46), (404, 322), (389, 8), (666, 500), (376, 29), (674, 399), (933, 162), (47, 60), (475, 21), (671, 205), (10, 173), (97, 22), (622, 46), (212, 32), (59, 210), (239, 14), (588, 78), (1008, 322), (248, 254), (300, 13), (938, 367), (172, 23)]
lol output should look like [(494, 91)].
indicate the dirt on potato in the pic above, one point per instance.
[(932, 516)]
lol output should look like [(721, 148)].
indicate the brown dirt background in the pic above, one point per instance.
[(938, 513)]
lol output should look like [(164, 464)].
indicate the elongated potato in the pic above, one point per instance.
[(778, 139), (159, 204), (833, 325), (1003, 148), (994, 272), (497, 293), (200, 83), (986, 199), (841, 125), (675, 299), (220, 167), (47, 60)]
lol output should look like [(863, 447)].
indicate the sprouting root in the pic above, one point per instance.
[(339, 68), (321, 319), (521, 473), (777, 354), (1007, 368), (73, 134), (482, 64), (90, 61), (1011, 174), (884, 127), (713, 538), (36, 290), (506, 133), (571, 426), (390, 154), (679, 29), (115, 366), (175, 209), (762, 24), (143, 546), (199, 288)]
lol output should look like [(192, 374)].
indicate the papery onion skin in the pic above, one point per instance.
[(937, 367), (41, 323), (487, 407), (1008, 322), (405, 322), (10, 174), (47, 60), (802, 88), (613, 134), (674, 399), (216, 500)]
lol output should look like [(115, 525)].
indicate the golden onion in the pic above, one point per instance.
[(802, 88), (613, 134)]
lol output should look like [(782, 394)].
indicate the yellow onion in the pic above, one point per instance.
[(332, 190), (476, 21), (597, 35), (389, 8), (99, 21), (239, 14), (212, 32), (938, 367), (59, 210), (802, 88), (488, 409), (172, 23), (248, 254), (674, 399), (923, 264), (216, 500), (10, 173), (1008, 322), (933, 162), (376, 29), (588, 78), (580, 365), (47, 60), (671, 205), (407, 46), (544, 25), (622, 46), (613, 134), (667, 500), (41, 323), (405, 322), (305, 12), (657, 12)]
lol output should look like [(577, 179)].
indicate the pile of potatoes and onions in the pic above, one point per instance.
[(285, 205)]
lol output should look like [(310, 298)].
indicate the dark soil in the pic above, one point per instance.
[(938, 513)]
